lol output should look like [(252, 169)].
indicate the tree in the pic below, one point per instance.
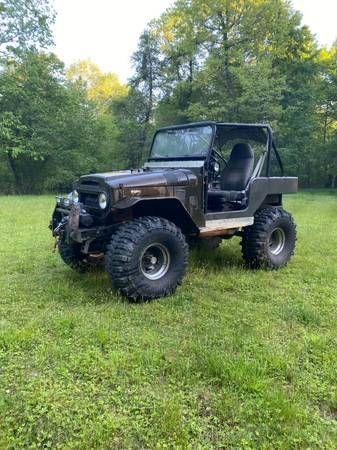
[(130, 115), (134, 113), (146, 83), (247, 60), (101, 87), (49, 131), (328, 112), (232, 58), (31, 102), (148, 68), (25, 25)]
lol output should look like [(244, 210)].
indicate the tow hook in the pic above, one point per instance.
[(58, 230)]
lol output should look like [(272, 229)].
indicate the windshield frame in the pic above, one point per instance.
[(182, 127)]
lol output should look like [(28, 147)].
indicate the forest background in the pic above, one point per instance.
[(227, 60)]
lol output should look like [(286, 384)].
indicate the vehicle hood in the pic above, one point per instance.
[(142, 178)]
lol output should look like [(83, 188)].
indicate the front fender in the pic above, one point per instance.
[(170, 208)]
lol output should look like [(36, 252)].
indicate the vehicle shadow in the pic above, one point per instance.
[(93, 285), (215, 260)]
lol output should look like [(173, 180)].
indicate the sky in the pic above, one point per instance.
[(107, 31)]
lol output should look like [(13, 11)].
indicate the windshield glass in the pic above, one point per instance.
[(182, 142)]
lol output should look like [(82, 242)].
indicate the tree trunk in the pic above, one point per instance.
[(227, 63), (325, 129), (190, 66), (17, 178)]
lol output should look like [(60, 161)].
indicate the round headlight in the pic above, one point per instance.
[(75, 197), (102, 200)]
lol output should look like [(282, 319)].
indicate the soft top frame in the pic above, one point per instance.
[(217, 126)]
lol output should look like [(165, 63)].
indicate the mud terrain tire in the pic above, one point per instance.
[(270, 241), (147, 258)]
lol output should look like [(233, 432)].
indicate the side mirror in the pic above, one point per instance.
[(216, 168)]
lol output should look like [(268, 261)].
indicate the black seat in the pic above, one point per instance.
[(234, 178)]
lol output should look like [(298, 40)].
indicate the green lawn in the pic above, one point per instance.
[(235, 359)]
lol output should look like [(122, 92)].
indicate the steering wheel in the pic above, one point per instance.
[(219, 155), (216, 157)]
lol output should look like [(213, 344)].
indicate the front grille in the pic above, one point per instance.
[(89, 200)]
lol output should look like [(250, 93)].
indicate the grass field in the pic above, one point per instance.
[(235, 359)]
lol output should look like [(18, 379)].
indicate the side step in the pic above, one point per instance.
[(224, 226)]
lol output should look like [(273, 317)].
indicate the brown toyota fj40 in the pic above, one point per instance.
[(202, 182)]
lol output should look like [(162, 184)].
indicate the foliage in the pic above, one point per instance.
[(25, 25), (100, 87), (235, 359), (131, 115), (245, 61), (31, 102), (45, 124), (221, 64)]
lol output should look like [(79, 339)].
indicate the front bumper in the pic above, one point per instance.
[(71, 221)]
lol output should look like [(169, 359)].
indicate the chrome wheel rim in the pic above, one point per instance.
[(277, 241), (155, 261)]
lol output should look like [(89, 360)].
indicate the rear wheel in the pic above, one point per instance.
[(147, 258), (270, 241)]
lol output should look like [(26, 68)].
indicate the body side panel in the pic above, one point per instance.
[(259, 189)]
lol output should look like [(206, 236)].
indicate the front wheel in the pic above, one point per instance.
[(270, 241), (147, 258), (71, 254)]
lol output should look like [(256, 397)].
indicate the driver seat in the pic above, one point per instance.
[(234, 178)]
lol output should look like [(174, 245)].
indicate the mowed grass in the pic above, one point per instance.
[(234, 359)]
